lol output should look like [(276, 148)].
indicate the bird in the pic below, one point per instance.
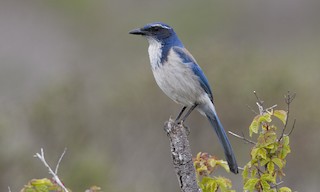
[(180, 77)]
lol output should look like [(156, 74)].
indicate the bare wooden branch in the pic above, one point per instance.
[(252, 110), (242, 137), (182, 156), (59, 161), (288, 99), (292, 128), (259, 101)]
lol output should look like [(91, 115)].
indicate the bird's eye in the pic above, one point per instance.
[(155, 29)]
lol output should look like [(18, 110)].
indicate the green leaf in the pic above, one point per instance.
[(270, 167), (223, 164), (268, 177), (262, 153), (263, 162), (281, 114), (212, 162), (275, 148), (44, 181), (284, 189), (254, 173), (270, 137), (278, 162), (255, 124), (265, 185), (266, 117), (202, 169), (286, 140), (270, 146), (254, 127), (251, 184), (284, 152), (245, 172), (41, 188), (224, 184), (258, 152), (209, 184), (254, 153)]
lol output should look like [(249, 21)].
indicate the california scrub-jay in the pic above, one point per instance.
[(180, 78)]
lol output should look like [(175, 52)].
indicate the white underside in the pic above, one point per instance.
[(175, 78)]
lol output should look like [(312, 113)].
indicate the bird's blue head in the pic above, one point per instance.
[(158, 31)]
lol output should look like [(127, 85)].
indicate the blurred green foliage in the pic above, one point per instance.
[(48, 185), (264, 171), (71, 76), (205, 165), (268, 156)]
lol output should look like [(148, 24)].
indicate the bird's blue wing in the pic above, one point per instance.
[(188, 59)]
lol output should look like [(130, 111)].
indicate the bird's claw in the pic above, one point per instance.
[(181, 122), (187, 129)]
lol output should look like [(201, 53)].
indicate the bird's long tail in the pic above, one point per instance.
[(218, 128)]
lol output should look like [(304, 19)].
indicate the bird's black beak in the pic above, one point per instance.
[(137, 32)]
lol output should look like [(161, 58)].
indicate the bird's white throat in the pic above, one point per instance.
[(155, 52)]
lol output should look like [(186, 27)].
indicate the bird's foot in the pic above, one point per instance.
[(181, 122), (187, 129)]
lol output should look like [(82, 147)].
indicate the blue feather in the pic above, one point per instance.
[(189, 60), (218, 128)]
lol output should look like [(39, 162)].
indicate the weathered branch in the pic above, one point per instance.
[(182, 156)]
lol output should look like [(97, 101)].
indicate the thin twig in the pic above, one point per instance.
[(277, 184), (57, 167), (259, 170), (252, 110), (55, 176), (288, 99), (241, 168), (242, 137), (260, 107), (269, 110), (258, 98), (292, 128)]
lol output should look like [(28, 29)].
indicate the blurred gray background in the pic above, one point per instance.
[(71, 76)]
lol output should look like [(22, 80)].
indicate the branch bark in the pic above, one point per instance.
[(182, 156)]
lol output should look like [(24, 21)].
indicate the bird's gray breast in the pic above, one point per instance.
[(177, 80)]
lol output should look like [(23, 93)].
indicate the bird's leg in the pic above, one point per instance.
[(188, 113), (181, 112), (185, 117)]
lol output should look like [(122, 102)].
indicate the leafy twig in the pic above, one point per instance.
[(54, 174)]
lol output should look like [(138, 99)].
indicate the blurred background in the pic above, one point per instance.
[(71, 76)]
